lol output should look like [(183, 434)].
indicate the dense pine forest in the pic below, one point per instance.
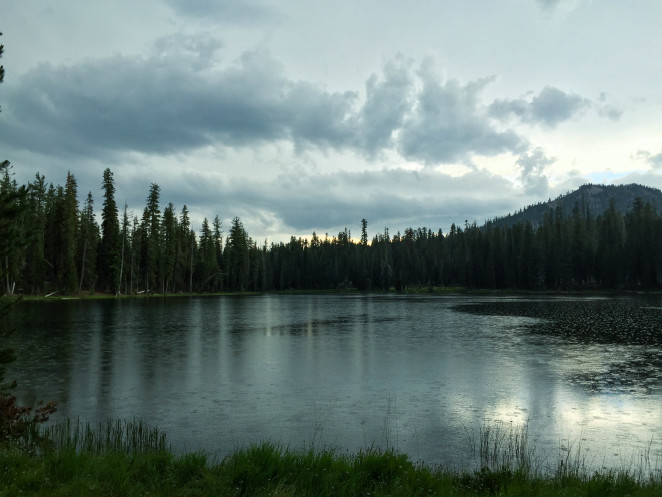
[(50, 244)]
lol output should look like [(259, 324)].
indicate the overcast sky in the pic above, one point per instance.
[(302, 116)]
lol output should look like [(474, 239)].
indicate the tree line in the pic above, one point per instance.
[(51, 244), (55, 245)]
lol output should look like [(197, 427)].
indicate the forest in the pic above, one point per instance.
[(50, 245)]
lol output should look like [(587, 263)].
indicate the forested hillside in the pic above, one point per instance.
[(51, 244), (593, 199)]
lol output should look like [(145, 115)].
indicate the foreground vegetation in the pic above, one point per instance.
[(128, 458)]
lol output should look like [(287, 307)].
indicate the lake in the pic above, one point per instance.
[(422, 374)]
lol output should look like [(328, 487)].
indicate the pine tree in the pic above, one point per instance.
[(51, 237), (69, 228), (218, 251), (110, 247), (124, 236), (88, 242), (237, 257), (208, 269), (11, 240), (134, 260), (187, 249), (169, 231), (35, 266), (152, 261)]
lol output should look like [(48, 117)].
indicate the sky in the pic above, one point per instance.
[(302, 117)]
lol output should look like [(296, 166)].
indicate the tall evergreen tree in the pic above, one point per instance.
[(208, 269), (218, 250), (11, 240), (237, 257), (69, 227), (134, 260), (187, 249), (51, 236), (151, 239), (88, 242), (110, 246), (169, 230), (124, 236), (35, 229)]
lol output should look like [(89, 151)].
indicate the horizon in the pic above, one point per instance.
[(349, 227)]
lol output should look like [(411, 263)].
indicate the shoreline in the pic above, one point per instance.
[(392, 291)]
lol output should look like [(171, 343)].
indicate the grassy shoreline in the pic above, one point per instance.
[(407, 291), (129, 458)]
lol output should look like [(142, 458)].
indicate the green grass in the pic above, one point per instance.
[(129, 458)]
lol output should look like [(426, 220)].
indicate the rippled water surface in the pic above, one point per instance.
[(420, 374)]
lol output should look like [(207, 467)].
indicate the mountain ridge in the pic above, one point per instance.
[(589, 198)]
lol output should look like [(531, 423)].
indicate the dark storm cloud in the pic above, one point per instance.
[(167, 103), (532, 171), (446, 123), (550, 107), (180, 99)]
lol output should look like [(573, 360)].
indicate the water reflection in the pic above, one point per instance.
[(416, 373)]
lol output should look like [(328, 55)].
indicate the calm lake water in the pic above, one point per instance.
[(421, 374)]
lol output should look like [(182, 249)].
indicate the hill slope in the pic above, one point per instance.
[(589, 198)]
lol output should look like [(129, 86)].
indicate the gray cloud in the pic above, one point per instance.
[(532, 171), (167, 103), (387, 103), (654, 160), (317, 118), (607, 110), (446, 123), (651, 178), (550, 107), (197, 52), (180, 98), (610, 112), (393, 198), (553, 106)]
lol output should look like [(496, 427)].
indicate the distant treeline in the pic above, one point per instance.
[(49, 244)]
